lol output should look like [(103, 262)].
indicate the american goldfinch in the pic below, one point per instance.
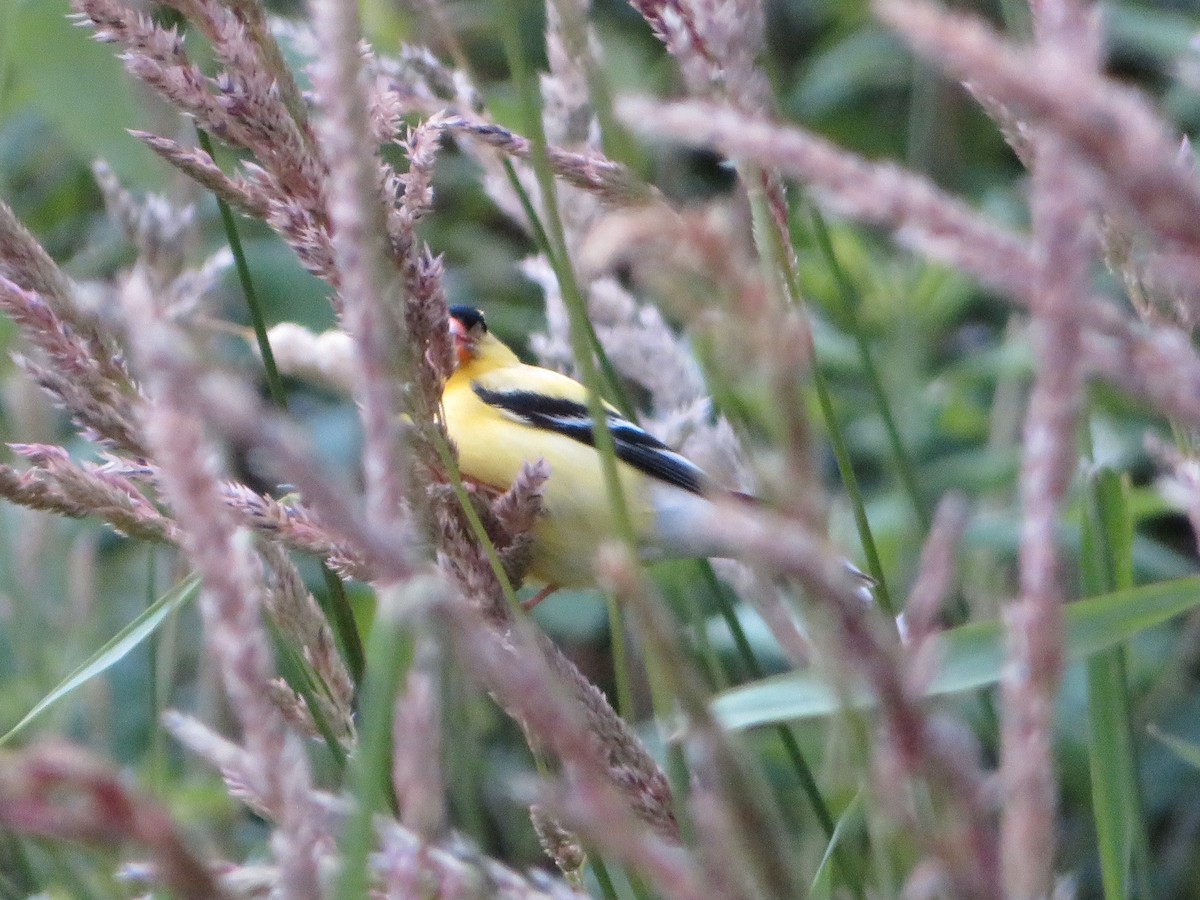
[(502, 413)]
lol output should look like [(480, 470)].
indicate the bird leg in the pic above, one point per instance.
[(537, 598)]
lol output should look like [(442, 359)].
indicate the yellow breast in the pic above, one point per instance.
[(577, 515)]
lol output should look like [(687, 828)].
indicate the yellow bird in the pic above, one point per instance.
[(502, 413)]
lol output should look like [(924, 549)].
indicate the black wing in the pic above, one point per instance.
[(570, 418)]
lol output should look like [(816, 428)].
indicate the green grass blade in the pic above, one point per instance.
[(822, 885), (450, 464), (576, 306), (464, 782), (338, 611), (850, 302), (972, 656), (857, 502), (613, 390), (791, 746), (1116, 807), (157, 749), (607, 889), (787, 739), (1107, 564), (299, 676), (115, 649), (1185, 750), (389, 655), (772, 250), (274, 383)]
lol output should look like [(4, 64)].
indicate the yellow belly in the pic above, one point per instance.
[(576, 516)]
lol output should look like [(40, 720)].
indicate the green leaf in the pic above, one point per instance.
[(972, 656), (116, 649), (1106, 563), (866, 60), (47, 52)]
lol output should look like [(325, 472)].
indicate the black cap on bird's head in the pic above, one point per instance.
[(467, 325), (468, 316)]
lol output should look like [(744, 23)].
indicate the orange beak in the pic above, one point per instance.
[(464, 344)]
